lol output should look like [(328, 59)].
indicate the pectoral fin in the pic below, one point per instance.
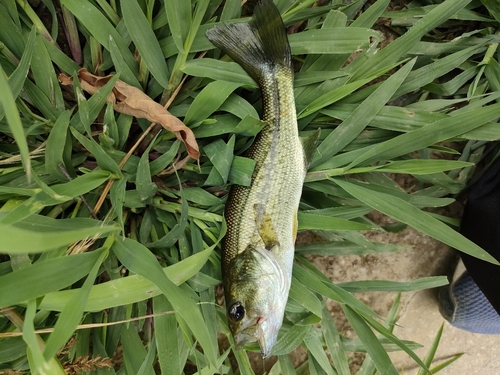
[(310, 144), (265, 227)]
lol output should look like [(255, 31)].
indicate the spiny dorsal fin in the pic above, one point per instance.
[(257, 45), (310, 144)]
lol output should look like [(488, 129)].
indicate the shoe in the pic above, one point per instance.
[(472, 300), (464, 305)]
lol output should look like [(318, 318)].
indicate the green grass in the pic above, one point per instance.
[(76, 290)]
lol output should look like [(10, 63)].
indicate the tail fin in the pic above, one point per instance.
[(258, 45)]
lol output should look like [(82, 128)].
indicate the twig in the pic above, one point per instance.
[(16, 319), (38, 152), (62, 168), (6, 312)]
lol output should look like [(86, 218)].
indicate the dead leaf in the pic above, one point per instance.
[(132, 101)]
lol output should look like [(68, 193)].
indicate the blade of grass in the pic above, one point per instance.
[(177, 231), (372, 14), (59, 58), (103, 159), (209, 100), (430, 72), (71, 32), (368, 367), (130, 289), (145, 186), (395, 50), (38, 363), (56, 150), (331, 97), (72, 314), (145, 41), (310, 221), (221, 156), (126, 74), (218, 70), (186, 33), (331, 41), (134, 352), (394, 286), (148, 363), (100, 28), (441, 130), (179, 17), (371, 343), (45, 76), (413, 167), (37, 234), (305, 297), (55, 195), (431, 352), (15, 125), (10, 33), (409, 214), (18, 77), (140, 260), (446, 363), (291, 339), (168, 347), (44, 276), (315, 349), (361, 116), (334, 343)]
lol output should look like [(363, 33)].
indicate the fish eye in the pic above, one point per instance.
[(236, 311)]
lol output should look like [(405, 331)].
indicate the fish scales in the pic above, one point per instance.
[(278, 175), (258, 249)]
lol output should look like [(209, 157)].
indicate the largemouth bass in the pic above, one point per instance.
[(258, 249)]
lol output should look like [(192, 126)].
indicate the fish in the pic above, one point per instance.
[(261, 219)]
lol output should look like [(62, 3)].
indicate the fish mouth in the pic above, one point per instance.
[(267, 336), (264, 332), (247, 334), (243, 338)]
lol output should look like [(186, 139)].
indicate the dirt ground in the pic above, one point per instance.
[(419, 317)]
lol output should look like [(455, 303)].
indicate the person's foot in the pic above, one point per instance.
[(465, 306), (472, 300)]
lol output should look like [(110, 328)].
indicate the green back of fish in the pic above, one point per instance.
[(261, 48)]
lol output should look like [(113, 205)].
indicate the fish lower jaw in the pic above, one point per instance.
[(262, 331), (241, 339)]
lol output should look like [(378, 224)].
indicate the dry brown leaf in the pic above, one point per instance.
[(132, 101)]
